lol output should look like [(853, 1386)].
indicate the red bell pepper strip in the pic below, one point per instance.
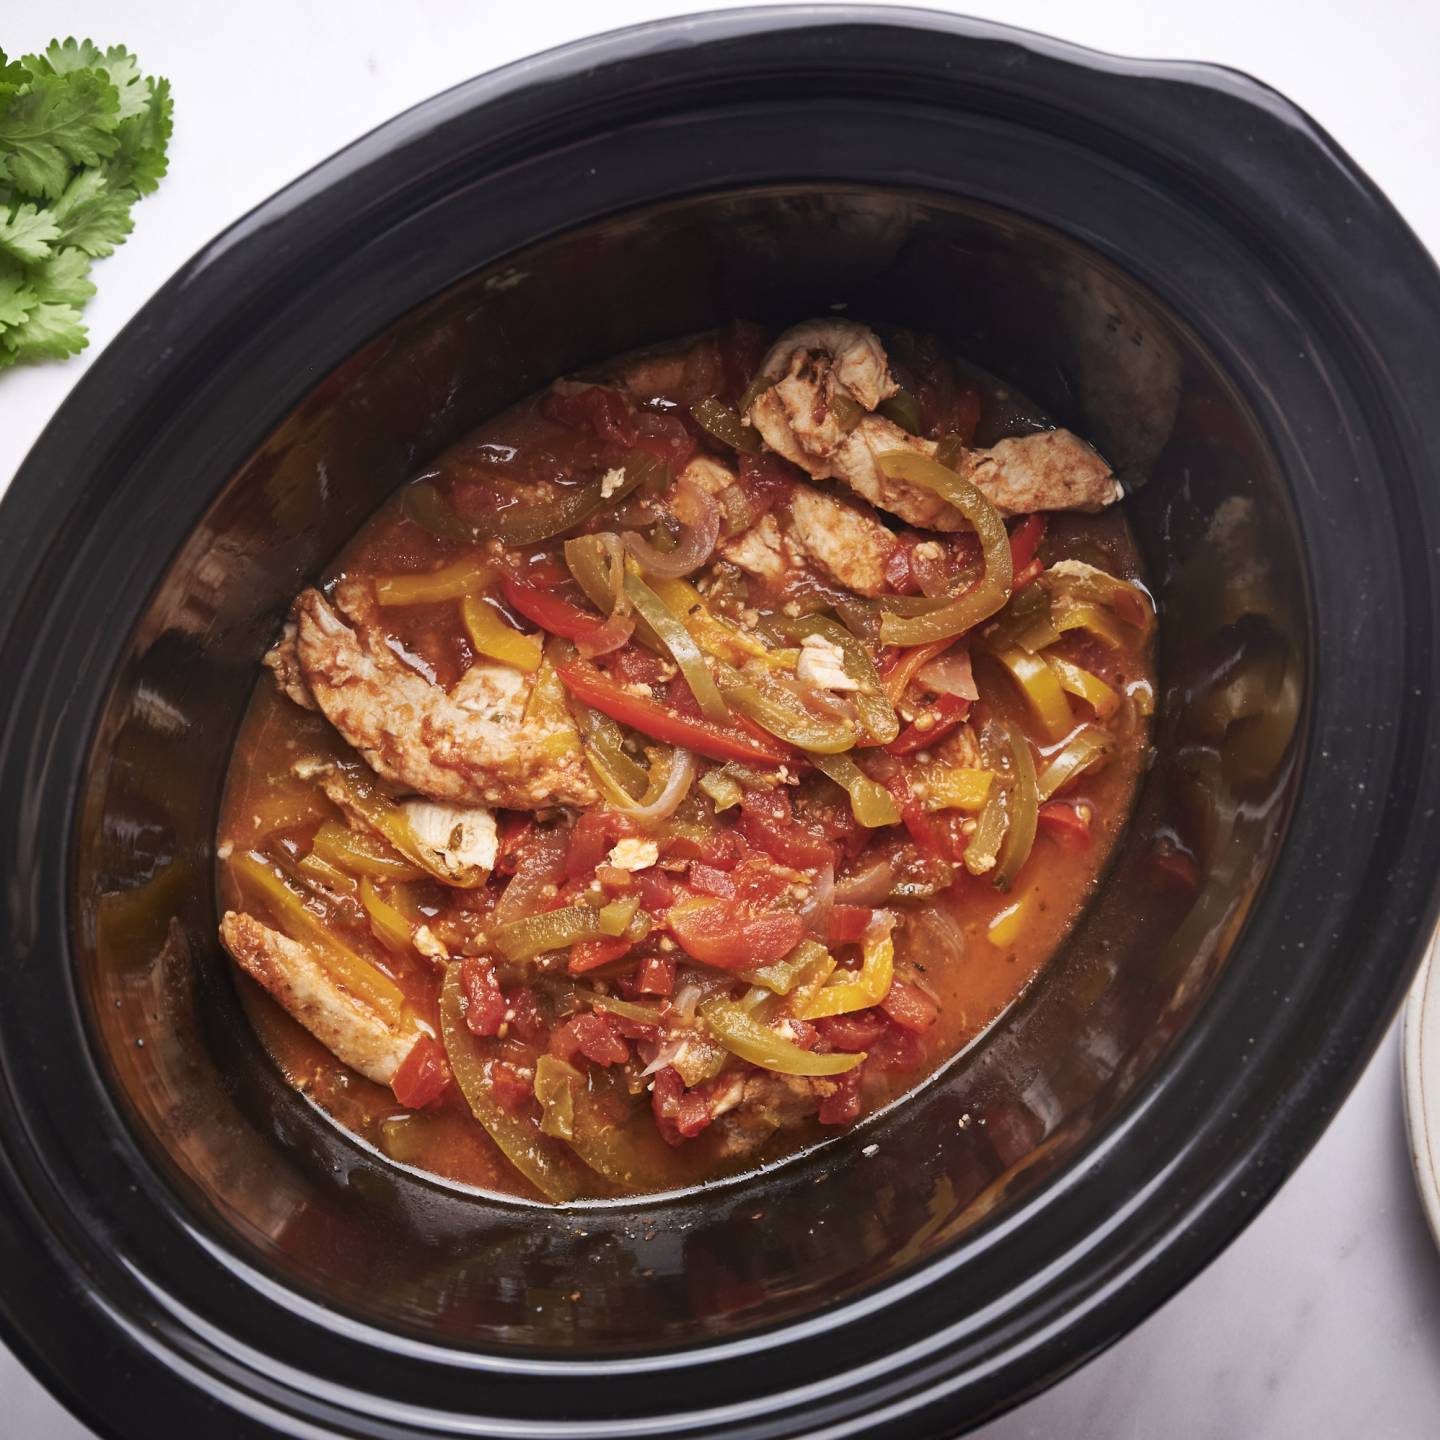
[(900, 668), (922, 829), (948, 712), (594, 636), (706, 737), (591, 954), (1025, 540), (1063, 821)]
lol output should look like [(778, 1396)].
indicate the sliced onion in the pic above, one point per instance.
[(687, 1001), (950, 674), (816, 910), (667, 802), (614, 633), (868, 885), (543, 866), (701, 517)]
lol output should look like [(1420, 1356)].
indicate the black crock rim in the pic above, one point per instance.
[(1159, 1257)]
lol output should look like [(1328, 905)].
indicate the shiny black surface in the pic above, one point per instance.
[(180, 1239)]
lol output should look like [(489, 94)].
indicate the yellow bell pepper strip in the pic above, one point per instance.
[(784, 714), (550, 930), (390, 926), (736, 741), (361, 854), (556, 1174), (715, 636), (288, 807), (1066, 614), (869, 987), (1087, 686), (548, 703), (951, 787), (258, 876), (819, 967), (992, 590), (1088, 746), (680, 644), (316, 869), (725, 424), (556, 1081), (616, 917), (450, 582), (389, 821), (781, 976), (1005, 928), (878, 719), (1041, 690), (870, 802), (495, 637), (529, 524), (746, 1037), (1023, 806)]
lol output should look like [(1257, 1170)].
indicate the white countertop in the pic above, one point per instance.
[(1324, 1318)]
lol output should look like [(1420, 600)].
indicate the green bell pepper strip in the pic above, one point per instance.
[(992, 590), (555, 1082), (551, 930), (726, 426), (622, 777), (743, 1036), (681, 646), (1088, 746), (553, 1172), (984, 847), (782, 976), (870, 802), (783, 714), (1023, 806), (724, 790), (877, 715)]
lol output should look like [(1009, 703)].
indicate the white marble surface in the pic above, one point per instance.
[(1323, 1320)]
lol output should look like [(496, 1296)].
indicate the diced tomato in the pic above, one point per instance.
[(592, 839), (634, 666), (591, 954), (802, 1033), (515, 829), (657, 894), (655, 976), (722, 933), (767, 823), (923, 831), (718, 742), (759, 882), (605, 413), (711, 881), (946, 714), (1062, 820), (847, 924), (423, 1076), (842, 1105), (766, 480), (484, 1003), (594, 1036), (592, 634), (910, 1007), (854, 1032), (512, 1090), (526, 1022), (897, 1049), (899, 575), (1025, 540), (680, 1114)]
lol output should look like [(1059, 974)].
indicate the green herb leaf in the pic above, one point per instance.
[(17, 299), (12, 74), (92, 216), (26, 233), (48, 332), (56, 122), (139, 163), (62, 278)]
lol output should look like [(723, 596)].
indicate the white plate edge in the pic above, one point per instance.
[(1420, 1044)]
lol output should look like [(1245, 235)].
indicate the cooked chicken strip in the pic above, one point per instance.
[(285, 663), (473, 745), (344, 1025), (846, 541), (798, 417)]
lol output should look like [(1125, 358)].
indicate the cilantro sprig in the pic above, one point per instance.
[(83, 136)]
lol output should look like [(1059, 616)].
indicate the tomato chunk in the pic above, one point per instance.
[(485, 1004), (596, 1037), (842, 1105), (591, 954), (423, 1076), (847, 924), (910, 1007), (767, 823), (721, 933), (854, 1032), (680, 1114)]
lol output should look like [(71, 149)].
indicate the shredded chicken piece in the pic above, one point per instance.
[(474, 745), (634, 854), (845, 541), (460, 837), (282, 660), (341, 1022), (817, 362), (761, 550), (822, 665), (960, 749)]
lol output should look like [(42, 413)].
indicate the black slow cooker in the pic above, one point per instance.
[(1173, 261)]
